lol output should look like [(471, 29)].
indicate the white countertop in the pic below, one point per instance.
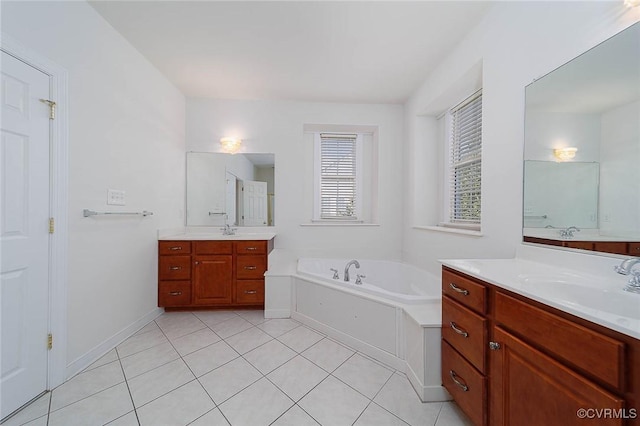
[(596, 297), (210, 236)]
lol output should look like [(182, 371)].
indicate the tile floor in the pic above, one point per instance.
[(234, 368)]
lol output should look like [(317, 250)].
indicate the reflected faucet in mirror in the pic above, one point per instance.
[(568, 233)]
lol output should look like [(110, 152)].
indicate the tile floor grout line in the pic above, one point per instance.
[(133, 404), (438, 416)]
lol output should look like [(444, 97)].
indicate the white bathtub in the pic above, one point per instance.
[(394, 281), (394, 316)]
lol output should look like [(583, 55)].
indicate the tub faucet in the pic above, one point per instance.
[(346, 268), (626, 268)]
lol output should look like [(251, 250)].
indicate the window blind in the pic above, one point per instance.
[(466, 161), (338, 176)]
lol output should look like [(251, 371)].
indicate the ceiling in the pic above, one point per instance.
[(353, 51)]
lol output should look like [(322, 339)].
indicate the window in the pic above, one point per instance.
[(465, 163), (338, 177)]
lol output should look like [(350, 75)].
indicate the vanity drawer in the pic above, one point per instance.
[(174, 293), (465, 384), (250, 292), (593, 353), (213, 247), (174, 247), (251, 267), (465, 331), (251, 247), (634, 249), (464, 290), (174, 268)]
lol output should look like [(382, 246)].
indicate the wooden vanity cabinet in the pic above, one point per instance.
[(525, 363), (199, 274)]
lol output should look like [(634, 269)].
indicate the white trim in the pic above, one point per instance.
[(450, 230), (59, 196), (83, 361), (338, 223)]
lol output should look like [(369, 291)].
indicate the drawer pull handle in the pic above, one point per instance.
[(251, 248), (250, 291), (455, 328), (175, 248), (458, 289), (454, 377), (250, 268), (175, 268), (494, 346), (175, 293)]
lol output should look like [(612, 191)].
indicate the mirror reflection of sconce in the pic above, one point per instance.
[(230, 145), (632, 3), (565, 154)]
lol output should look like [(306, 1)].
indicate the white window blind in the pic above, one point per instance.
[(465, 161), (339, 172)]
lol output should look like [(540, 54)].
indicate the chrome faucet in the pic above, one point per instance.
[(568, 233), (346, 268), (227, 230), (626, 268)]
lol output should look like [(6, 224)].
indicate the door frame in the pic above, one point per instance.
[(58, 202)]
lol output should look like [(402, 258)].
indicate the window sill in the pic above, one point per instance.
[(458, 231), (338, 223)]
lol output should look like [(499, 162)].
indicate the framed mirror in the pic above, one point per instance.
[(230, 189), (582, 151)]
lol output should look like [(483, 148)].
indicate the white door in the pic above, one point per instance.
[(231, 199), (24, 237), (254, 206)]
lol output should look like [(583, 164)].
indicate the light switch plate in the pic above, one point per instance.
[(116, 197)]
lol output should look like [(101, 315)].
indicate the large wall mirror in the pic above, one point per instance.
[(582, 151), (237, 190)]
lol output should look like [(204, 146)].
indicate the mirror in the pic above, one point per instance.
[(591, 103), (230, 189)]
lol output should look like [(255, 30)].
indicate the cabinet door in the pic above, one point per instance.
[(530, 388), (213, 280)]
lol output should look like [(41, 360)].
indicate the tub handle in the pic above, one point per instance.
[(335, 274), (359, 278), (454, 377), (455, 328), (459, 289)]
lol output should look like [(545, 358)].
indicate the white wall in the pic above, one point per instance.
[(515, 42), (277, 127), (126, 132)]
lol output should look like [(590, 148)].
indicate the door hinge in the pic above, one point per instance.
[(50, 341), (52, 225), (52, 108)]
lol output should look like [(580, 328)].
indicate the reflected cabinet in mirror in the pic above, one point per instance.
[(237, 190), (582, 151)]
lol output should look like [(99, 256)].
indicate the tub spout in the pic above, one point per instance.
[(346, 268)]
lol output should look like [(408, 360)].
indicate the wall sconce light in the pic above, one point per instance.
[(230, 145), (632, 3), (565, 154)]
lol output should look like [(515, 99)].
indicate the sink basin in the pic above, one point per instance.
[(578, 291)]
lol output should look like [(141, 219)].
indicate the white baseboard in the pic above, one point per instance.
[(97, 352), (277, 313), (426, 393), (367, 349)]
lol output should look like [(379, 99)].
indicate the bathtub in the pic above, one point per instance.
[(394, 281), (394, 316)]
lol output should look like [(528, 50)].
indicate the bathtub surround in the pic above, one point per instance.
[(392, 316)]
